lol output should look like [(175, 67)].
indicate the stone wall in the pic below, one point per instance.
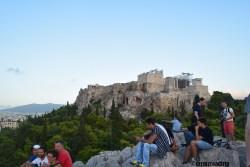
[(152, 81)]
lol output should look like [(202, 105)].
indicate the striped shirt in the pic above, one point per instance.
[(162, 141)]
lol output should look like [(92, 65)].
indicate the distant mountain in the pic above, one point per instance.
[(4, 107), (32, 108)]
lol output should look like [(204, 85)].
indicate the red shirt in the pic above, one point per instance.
[(64, 158)]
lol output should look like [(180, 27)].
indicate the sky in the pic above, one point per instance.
[(49, 49)]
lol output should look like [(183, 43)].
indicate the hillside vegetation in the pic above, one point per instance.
[(91, 132)]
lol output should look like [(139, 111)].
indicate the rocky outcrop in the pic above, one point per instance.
[(214, 157), (150, 91)]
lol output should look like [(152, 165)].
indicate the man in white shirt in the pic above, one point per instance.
[(228, 121), (42, 160)]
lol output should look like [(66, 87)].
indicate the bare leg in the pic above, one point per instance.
[(194, 149), (187, 154)]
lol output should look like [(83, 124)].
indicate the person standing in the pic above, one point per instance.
[(247, 130), (228, 122), (198, 110), (221, 109), (63, 155)]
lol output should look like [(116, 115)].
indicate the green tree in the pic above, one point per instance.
[(146, 113), (116, 127), (219, 97)]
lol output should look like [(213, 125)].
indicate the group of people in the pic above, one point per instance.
[(226, 117), (59, 157), (160, 140)]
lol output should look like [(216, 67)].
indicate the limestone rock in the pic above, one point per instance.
[(151, 90), (123, 158), (78, 164)]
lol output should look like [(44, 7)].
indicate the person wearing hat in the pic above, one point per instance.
[(42, 159), (34, 154), (247, 131), (34, 151)]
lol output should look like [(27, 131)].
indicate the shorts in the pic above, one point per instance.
[(229, 127), (202, 145)]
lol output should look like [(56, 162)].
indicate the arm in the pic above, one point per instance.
[(34, 161), (151, 139), (197, 136), (196, 114)]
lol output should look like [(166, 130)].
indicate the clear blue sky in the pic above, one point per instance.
[(49, 49)]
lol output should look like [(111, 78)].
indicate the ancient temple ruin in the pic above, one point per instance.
[(151, 91)]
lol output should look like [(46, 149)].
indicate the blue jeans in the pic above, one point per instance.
[(202, 145), (143, 151), (189, 136)]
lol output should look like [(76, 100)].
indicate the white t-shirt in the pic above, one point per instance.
[(227, 112), (40, 162)]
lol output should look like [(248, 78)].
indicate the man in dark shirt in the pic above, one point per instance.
[(156, 143), (203, 140), (198, 110), (197, 113)]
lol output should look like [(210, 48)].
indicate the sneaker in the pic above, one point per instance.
[(134, 163), (193, 162), (141, 165), (197, 158)]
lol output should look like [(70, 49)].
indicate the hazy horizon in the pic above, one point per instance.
[(51, 49)]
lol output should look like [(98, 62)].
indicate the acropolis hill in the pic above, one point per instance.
[(151, 91)]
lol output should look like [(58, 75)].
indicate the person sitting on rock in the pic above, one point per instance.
[(203, 140), (173, 143), (155, 143), (176, 125)]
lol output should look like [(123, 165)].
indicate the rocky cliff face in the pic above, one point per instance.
[(150, 91), (132, 100), (215, 156)]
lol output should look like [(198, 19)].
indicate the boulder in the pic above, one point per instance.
[(78, 164), (213, 157)]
